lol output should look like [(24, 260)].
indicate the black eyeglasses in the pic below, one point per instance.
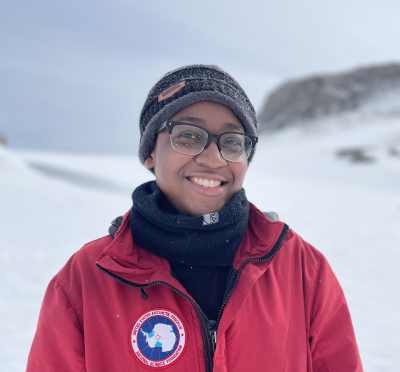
[(191, 139)]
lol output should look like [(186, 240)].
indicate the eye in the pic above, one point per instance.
[(232, 141), (190, 135)]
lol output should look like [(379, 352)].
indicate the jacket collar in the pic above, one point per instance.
[(123, 258)]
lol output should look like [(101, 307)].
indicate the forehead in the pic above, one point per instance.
[(211, 115)]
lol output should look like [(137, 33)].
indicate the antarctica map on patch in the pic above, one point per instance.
[(162, 336)]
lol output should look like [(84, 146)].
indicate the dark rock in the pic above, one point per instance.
[(324, 95), (355, 155), (394, 151)]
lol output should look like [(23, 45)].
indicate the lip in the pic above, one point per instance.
[(208, 176), (207, 191)]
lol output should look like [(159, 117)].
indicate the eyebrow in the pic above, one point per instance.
[(237, 127)]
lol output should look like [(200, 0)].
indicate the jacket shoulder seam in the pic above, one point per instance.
[(69, 301), (315, 288), (95, 240), (290, 324)]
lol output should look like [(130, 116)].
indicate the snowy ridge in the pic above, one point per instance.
[(369, 91)]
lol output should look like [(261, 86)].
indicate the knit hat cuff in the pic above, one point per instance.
[(149, 137)]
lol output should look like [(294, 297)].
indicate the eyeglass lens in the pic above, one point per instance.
[(191, 140)]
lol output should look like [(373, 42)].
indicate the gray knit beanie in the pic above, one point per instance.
[(183, 87)]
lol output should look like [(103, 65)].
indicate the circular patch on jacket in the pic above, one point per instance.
[(158, 338)]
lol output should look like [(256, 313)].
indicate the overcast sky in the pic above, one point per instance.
[(75, 73)]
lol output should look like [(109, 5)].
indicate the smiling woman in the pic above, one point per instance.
[(204, 182), (196, 275)]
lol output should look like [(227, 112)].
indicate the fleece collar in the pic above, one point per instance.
[(209, 240)]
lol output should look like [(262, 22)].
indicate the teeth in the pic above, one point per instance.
[(206, 183)]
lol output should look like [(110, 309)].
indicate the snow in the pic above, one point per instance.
[(53, 203)]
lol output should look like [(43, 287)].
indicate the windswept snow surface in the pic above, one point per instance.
[(347, 207)]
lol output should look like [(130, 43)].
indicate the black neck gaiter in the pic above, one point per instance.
[(210, 240)]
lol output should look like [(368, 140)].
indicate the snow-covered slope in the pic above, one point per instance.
[(43, 221), (346, 205)]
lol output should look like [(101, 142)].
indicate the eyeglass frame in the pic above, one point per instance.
[(171, 124)]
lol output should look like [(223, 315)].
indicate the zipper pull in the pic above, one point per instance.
[(214, 339), (213, 324), (144, 295)]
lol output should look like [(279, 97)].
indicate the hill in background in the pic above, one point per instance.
[(368, 92)]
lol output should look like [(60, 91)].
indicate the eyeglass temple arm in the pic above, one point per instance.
[(164, 125)]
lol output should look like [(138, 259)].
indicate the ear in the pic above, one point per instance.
[(149, 162)]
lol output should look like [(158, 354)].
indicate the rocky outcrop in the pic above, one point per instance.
[(3, 141), (324, 95)]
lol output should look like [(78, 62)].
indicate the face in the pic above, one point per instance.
[(203, 183)]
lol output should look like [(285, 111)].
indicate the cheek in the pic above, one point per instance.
[(163, 163), (168, 163), (239, 171), (162, 153)]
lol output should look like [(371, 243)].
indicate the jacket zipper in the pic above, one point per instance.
[(209, 335), (229, 289)]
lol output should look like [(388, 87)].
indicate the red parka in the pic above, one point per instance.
[(285, 311)]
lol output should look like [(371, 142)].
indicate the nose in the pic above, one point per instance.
[(211, 156)]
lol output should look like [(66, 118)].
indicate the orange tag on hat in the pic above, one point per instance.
[(171, 91)]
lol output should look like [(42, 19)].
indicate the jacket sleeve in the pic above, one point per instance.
[(58, 344), (332, 341)]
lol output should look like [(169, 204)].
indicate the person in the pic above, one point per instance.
[(194, 277)]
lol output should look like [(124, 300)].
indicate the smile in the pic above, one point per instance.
[(207, 186), (205, 182)]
